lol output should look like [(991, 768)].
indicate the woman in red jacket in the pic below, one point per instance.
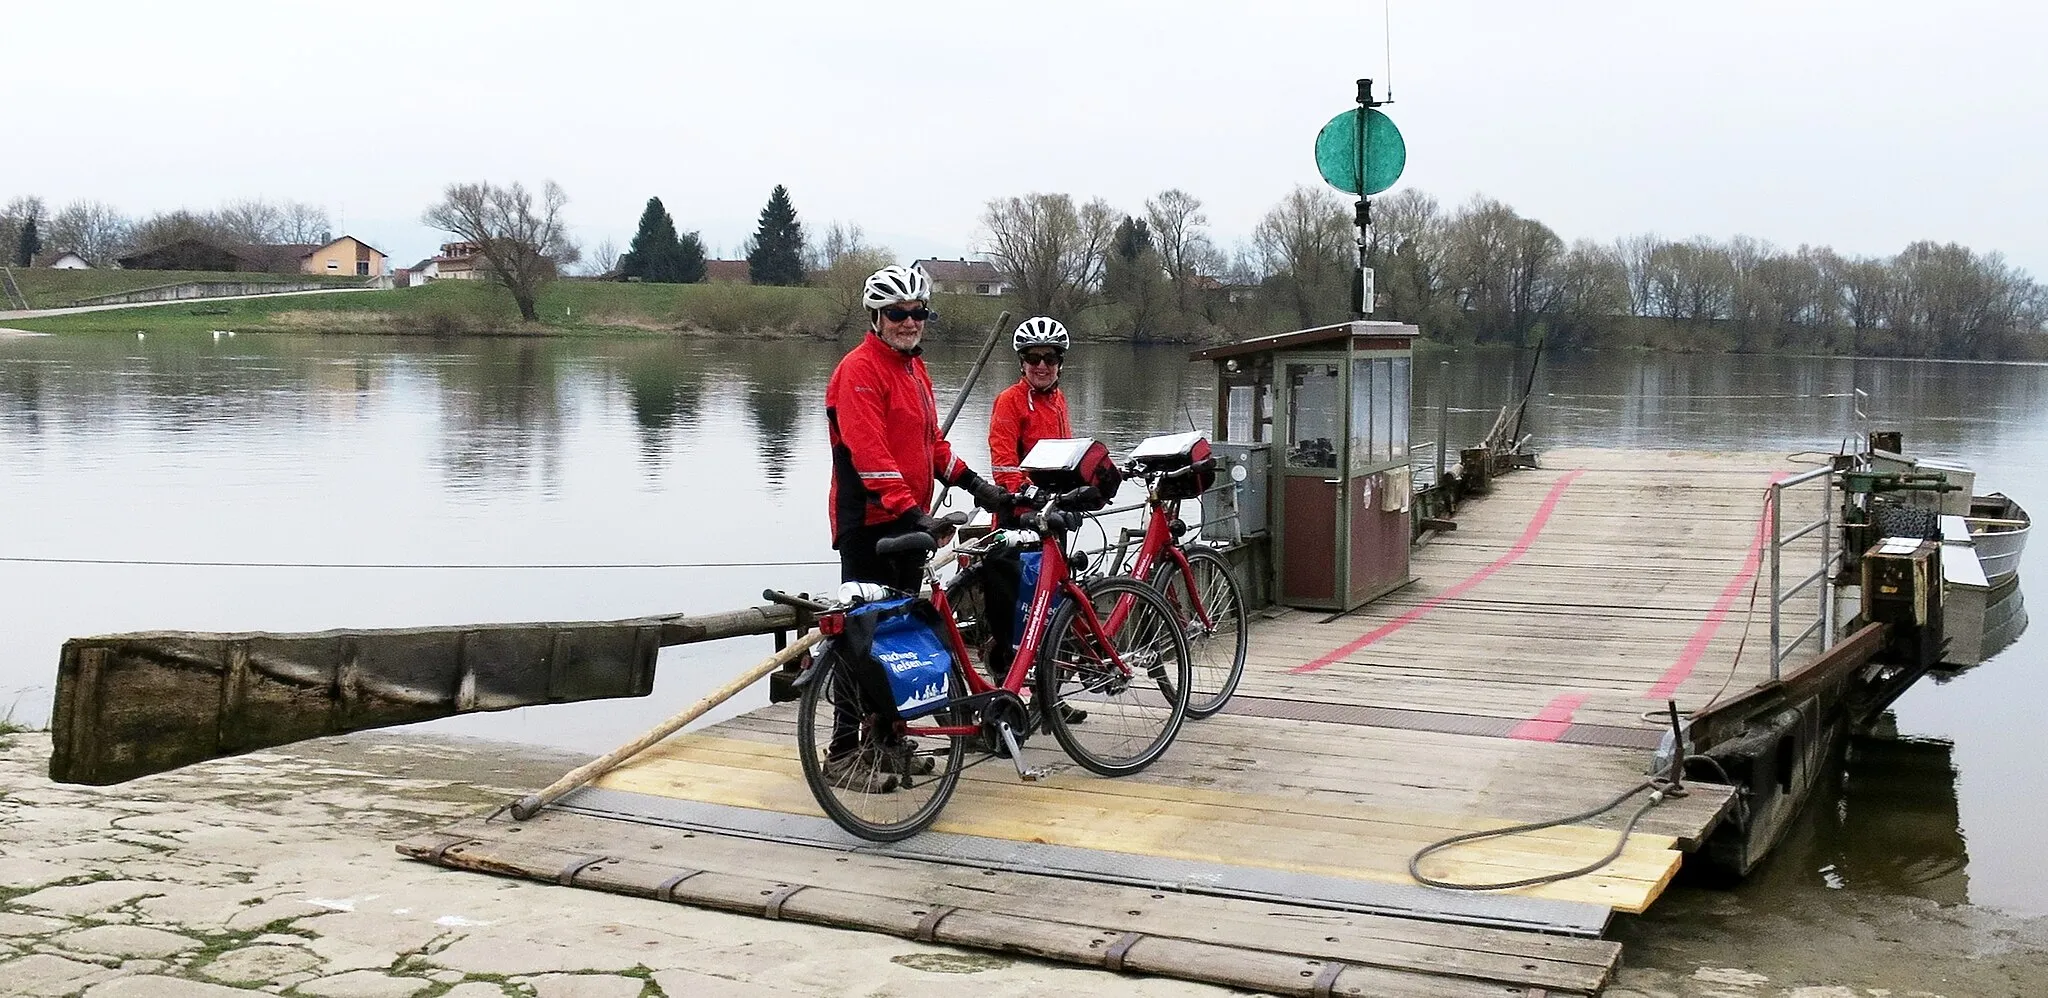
[(1033, 409)]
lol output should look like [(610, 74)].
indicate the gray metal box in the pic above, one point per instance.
[(1248, 500)]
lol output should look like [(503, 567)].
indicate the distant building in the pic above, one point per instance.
[(344, 257), (728, 272), (61, 260), (457, 262), (965, 277), (192, 254)]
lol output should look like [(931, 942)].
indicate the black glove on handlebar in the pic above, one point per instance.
[(987, 494)]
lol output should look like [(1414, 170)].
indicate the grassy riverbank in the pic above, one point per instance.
[(45, 288), (466, 308)]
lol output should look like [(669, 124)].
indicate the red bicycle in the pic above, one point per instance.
[(884, 778), (1195, 579)]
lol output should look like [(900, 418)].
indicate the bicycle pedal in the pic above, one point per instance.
[(1017, 754), (1034, 774)]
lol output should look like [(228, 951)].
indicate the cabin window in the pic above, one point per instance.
[(1313, 397)]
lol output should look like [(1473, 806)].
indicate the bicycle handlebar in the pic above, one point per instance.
[(1137, 468)]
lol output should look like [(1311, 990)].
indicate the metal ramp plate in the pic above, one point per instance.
[(1104, 866)]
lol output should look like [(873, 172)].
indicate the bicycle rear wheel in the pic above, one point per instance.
[(1218, 645), (1132, 683), (868, 781)]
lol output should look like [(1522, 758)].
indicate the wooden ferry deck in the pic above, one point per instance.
[(1521, 677)]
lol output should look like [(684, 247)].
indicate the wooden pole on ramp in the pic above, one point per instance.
[(530, 805)]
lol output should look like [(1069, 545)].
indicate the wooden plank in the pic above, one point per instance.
[(1239, 943), (1180, 823)]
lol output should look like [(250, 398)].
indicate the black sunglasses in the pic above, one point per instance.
[(1040, 359), (920, 313)]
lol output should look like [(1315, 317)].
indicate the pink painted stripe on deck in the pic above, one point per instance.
[(1550, 723), (1696, 647), (1514, 554)]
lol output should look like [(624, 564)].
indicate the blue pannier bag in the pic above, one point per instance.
[(898, 656), (1027, 586)]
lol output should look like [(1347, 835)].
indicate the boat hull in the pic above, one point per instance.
[(1998, 531)]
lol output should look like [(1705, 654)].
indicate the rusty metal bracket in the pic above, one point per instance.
[(567, 878), (773, 909), (436, 854), (666, 890), (927, 930), (1326, 982), (1114, 959)]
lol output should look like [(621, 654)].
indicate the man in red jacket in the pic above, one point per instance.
[(887, 448), (887, 452)]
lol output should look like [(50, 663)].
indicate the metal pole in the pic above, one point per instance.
[(995, 333), (1362, 305), (1827, 561), (1777, 538), (1443, 416)]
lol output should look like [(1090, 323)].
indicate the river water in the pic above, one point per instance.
[(575, 479)]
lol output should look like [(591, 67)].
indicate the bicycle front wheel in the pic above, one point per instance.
[(869, 781), (1131, 684), (1211, 612)]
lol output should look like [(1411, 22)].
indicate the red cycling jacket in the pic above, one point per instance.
[(1021, 419), (886, 446)]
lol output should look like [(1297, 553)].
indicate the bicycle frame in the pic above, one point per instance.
[(1054, 578), (1159, 541)]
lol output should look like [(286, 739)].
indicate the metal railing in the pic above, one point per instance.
[(1824, 620)]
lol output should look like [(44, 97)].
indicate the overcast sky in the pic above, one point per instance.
[(1862, 125)]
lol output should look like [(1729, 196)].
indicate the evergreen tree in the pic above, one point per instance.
[(656, 254), (689, 259), (777, 256), (30, 244)]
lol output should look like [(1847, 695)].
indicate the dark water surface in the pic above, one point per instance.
[(707, 458)]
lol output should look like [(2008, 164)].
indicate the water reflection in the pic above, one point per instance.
[(1891, 823)]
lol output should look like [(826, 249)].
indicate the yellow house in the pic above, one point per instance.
[(344, 257)]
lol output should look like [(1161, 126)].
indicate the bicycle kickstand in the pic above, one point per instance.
[(1032, 775)]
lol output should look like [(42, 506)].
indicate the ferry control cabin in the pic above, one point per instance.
[(1336, 488)]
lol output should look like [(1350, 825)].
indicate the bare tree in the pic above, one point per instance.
[(602, 260), (1176, 220), (1408, 248), (1051, 250), (170, 226), (851, 263), (1634, 252), (251, 221), (1591, 286), (840, 240), (524, 245), (299, 222), (1306, 243), (94, 230)]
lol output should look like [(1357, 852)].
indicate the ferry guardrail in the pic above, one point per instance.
[(1824, 621)]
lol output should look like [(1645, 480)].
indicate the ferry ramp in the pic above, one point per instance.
[(1523, 676)]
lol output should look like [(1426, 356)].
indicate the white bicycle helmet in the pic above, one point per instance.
[(893, 284), (1039, 331)]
